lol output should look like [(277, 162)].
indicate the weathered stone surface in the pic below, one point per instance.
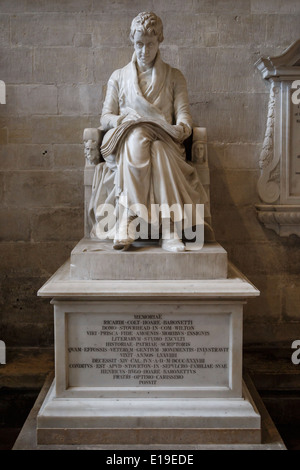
[(16, 64), (82, 40), (58, 224), (63, 65), (240, 30), (50, 29), (270, 334), (164, 8), (32, 6), (232, 7), (30, 99), (43, 188), (14, 225), (271, 296), (108, 59), (25, 157), (239, 224), (194, 34), (1, 188), (19, 304), (291, 299), (27, 367), (292, 256), (59, 129), (170, 54), (210, 39), (110, 31), (276, 6), (78, 100), (218, 70), (68, 156), (234, 187), (288, 25), (29, 259), (235, 110), (47, 129), (234, 156), (259, 258), (4, 30), (40, 334), (132, 6), (3, 135)]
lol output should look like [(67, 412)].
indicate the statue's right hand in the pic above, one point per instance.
[(131, 117)]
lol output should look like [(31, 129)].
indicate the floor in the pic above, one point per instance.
[(290, 436)]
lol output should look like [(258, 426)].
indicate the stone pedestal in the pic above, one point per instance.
[(148, 361), (95, 259)]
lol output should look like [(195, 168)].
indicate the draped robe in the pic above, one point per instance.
[(143, 145)]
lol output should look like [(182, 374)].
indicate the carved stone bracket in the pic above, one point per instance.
[(268, 183), (284, 220)]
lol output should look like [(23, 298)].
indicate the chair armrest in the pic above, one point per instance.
[(199, 146), (92, 138)]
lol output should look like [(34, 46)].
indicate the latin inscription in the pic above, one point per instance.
[(148, 350)]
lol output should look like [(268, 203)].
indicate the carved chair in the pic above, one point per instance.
[(196, 152)]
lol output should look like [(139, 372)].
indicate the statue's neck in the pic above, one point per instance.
[(143, 67)]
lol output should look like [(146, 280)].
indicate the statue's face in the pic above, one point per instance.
[(146, 48)]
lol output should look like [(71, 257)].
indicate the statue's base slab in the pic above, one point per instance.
[(96, 259), (148, 421), (271, 439)]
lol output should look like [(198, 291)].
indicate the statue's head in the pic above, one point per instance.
[(147, 23), (91, 151), (146, 35)]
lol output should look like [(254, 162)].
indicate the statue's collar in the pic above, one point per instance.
[(159, 73)]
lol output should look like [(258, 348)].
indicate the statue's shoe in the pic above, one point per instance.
[(122, 245), (125, 235), (174, 245)]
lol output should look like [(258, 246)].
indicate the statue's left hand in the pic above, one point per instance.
[(182, 131)]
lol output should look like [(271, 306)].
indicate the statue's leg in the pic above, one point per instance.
[(135, 169), (166, 192), (137, 165)]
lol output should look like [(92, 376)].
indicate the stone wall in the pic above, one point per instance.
[(55, 58)]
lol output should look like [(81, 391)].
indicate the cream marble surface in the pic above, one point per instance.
[(61, 284), (114, 420), (95, 259), (96, 357)]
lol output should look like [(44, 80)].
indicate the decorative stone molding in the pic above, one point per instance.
[(284, 220), (279, 183)]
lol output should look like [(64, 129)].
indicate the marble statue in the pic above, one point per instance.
[(146, 119)]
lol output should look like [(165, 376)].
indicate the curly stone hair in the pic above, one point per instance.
[(147, 23)]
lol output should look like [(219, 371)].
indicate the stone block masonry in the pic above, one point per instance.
[(55, 58)]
